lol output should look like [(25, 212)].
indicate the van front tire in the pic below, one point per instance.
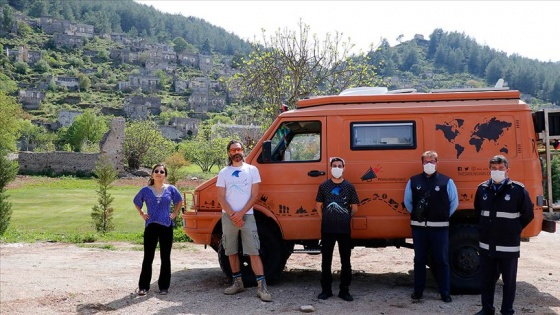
[(463, 259)]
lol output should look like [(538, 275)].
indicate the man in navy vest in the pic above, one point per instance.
[(431, 199), (504, 209)]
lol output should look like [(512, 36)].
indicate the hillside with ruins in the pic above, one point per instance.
[(121, 59)]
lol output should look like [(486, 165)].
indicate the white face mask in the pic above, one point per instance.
[(337, 172), (498, 176), (429, 168)]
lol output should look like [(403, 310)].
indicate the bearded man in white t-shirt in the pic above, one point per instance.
[(238, 189)]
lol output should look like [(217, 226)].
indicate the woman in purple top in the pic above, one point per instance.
[(158, 198)]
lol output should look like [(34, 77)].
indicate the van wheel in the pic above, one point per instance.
[(463, 259), (272, 252)]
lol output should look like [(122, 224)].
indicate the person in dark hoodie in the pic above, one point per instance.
[(504, 209), (431, 198)]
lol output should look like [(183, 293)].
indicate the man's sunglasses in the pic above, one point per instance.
[(235, 150)]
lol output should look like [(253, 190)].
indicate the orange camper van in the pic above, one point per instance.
[(381, 135)]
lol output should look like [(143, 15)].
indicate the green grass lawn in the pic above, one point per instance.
[(59, 209)]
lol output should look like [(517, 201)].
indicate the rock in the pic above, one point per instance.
[(307, 309)]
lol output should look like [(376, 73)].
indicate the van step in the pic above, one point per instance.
[(307, 251)]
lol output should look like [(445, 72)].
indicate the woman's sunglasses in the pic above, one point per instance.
[(159, 172)]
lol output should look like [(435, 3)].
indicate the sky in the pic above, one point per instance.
[(526, 28)]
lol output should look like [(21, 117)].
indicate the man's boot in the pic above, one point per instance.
[(236, 287), (262, 291)]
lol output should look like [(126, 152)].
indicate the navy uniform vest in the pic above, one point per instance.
[(437, 209)]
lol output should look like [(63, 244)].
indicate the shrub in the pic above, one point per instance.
[(8, 171)]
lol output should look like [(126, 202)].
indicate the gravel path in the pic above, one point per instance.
[(54, 278)]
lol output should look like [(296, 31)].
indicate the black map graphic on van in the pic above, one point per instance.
[(488, 130)]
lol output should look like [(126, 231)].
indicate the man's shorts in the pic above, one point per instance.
[(249, 235)]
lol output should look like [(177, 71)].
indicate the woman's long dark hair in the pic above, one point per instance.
[(151, 180)]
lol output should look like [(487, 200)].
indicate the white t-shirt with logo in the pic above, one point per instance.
[(238, 182)]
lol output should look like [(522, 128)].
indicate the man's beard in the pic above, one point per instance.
[(237, 158)]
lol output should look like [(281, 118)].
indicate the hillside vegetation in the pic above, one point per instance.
[(443, 60)]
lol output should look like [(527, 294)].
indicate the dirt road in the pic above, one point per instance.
[(47, 278)]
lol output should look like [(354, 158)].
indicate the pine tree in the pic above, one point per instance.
[(102, 213)]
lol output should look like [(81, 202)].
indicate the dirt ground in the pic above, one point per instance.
[(54, 278)]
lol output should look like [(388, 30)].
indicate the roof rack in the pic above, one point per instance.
[(401, 91), (365, 90), (470, 90)]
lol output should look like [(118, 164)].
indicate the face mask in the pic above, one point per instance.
[(498, 176), (337, 172), (429, 168)]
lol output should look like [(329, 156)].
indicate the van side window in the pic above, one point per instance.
[(297, 141), (383, 135)]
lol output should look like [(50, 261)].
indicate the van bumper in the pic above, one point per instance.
[(199, 226)]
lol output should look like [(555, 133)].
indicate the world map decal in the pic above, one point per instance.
[(488, 130)]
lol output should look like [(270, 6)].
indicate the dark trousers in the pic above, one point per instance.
[(152, 234), (437, 240), (345, 250), (491, 268)]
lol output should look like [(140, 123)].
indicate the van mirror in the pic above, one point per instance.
[(266, 151)]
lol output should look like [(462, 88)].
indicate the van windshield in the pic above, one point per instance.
[(297, 141)]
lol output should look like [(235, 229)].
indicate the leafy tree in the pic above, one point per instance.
[(23, 29), (555, 167), (103, 55), (494, 71), (7, 85), (9, 125), (293, 65), (21, 67), (174, 163), (144, 144), (33, 137), (84, 81), (555, 94), (8, 18), (86, 127), (180, 45), (410, 57), (164, 79), (76, 62), (42, 66), (205, 152), (102, 213), (8, 171), (206, 47), (39, 8)]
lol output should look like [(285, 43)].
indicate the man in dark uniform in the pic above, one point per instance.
[(431, 198), (505, 209)]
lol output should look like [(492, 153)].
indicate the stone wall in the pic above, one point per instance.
[(57, 162), (74, 162)]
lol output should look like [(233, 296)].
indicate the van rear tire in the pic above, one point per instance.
[(463, 259), (272, 253)]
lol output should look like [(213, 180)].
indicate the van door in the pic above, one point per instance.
[(292, 174)]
